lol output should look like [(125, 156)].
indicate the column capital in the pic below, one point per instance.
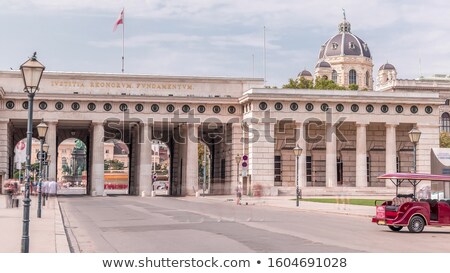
[(362, 124), (391, 125)]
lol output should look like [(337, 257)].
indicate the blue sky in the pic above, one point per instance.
[(221, 37)]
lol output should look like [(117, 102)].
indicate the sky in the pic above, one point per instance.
[(221, 37)]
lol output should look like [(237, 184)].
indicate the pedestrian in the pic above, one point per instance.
[(53, 188), (45, 189), (238, 195)]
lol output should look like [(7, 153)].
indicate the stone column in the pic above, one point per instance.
[(236, 149), (261, 145), (301, 142), (145, 159), (391, 151), (191, 162), (98, 150), (4, 155), (331, 163), (52, 149), (361, 155)]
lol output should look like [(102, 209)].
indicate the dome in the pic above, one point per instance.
[(305, 73), (323, 64), (387, 66), (344, 43)]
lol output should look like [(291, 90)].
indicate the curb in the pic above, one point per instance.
[(61, 239)]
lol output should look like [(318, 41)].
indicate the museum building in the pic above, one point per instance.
[(348, 137)]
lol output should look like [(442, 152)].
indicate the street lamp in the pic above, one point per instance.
[(297, 152), (42, 132), (414, 136), (32, 71)]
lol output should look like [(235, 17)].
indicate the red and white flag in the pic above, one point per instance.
[(119, 20)]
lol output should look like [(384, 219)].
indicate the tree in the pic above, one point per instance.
[(323, 83), (444, 140), (113, 164), (301, 83)]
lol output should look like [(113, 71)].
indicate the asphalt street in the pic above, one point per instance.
[(177, 225)]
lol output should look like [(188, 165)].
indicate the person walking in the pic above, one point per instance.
[(238, 195)]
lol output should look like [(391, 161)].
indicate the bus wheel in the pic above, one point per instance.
[(395, 228), (416, 224)]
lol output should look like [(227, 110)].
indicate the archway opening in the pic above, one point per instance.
[(72, 167), (19, 166), (161, 168), (116, 167), (204, 168)]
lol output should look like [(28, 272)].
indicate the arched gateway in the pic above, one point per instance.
[(347, 137)]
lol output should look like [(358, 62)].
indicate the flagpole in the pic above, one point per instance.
[(123, 42)]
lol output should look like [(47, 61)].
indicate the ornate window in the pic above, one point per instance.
[(123, 107), (170, 108), (445, 122), (428, 109), (10, 104), (294, 106), (324, 107), (75, 106), (414, 109), (352, 77), (309, 106), (25, 105), (59, 105), (107, 106), (139, 107), (278, 106), (340, 107), (369, 108), (231, 109), (334, 45), (263, 105), (201, 108), (91, 106), (216, 109), (185, 108), (154, 107), (42, 105), (355, 108), (334, 76), (399, 109)]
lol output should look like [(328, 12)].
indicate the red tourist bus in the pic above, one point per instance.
[(406, 211)]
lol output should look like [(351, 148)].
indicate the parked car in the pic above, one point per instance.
[(406, 211)]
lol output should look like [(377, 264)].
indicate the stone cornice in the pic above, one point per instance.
[(124, 98), (309, 95)]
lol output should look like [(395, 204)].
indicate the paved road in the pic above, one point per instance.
[(133, 224)]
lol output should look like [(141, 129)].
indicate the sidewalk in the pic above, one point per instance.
[(289, 202), (47, 234)]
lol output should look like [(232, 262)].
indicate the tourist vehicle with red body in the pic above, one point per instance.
[(406, 211)]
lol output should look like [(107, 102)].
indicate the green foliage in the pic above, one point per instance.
[(324, 84), (353, 86), (113, 164), (321, 83), (301, 83), (444, 140)]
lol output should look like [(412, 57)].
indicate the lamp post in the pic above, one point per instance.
[(42, 132), (414, 136), (238, 160), (297, 152), (32, 71)]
